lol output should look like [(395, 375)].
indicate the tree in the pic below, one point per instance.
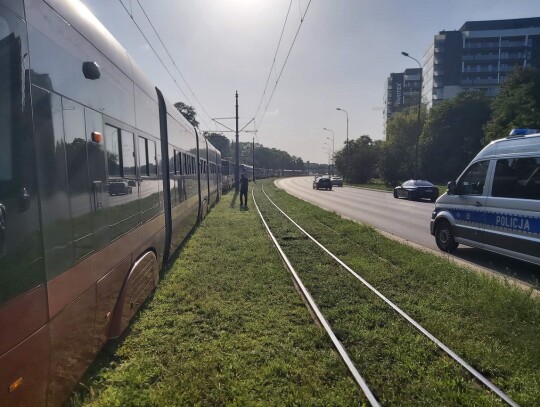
[(398, 152), (220, 142), (188, 112), (517, 104), (452, 135), (363, 159)]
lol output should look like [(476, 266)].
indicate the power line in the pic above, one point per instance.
[(285, 63), (158, 57), (172, 60), (274, 60)]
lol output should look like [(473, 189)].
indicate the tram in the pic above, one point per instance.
[(101, 179)]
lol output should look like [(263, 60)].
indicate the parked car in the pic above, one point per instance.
[(322, 183), (337, 181), (415, 189)]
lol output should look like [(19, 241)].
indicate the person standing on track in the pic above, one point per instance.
[(243, 189)]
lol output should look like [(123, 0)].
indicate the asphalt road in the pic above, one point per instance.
[(404, 219)]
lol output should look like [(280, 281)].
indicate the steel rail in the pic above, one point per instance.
[(419, 327), (343, 353)]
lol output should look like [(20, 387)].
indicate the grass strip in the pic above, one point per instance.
[(225, 327), (493, 326)]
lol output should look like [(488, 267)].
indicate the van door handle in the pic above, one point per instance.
[(477, 203)]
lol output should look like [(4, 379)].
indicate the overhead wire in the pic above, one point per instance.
[(284, 64), (158, 57), (172, 60), (274, 60)]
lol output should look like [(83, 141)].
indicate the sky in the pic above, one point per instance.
[(343, 53)]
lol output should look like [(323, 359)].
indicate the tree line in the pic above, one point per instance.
[(263, 157), (451, 134)]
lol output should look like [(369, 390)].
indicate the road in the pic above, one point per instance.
[(408, 220)]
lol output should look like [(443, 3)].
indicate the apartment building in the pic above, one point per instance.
[(478, 56), (401, 91)]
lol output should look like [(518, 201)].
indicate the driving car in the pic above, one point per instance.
[(119, 187), (337, 181), (322, 183), (415, 189)]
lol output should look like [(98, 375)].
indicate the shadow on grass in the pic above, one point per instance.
[(234, 198)]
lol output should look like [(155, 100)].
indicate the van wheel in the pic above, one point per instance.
[(444, 237)]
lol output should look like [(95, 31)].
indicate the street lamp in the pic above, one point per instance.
[(347, 145), (328, 152), (418, 120), (333, 150)]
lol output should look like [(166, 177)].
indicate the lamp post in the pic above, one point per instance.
[(333, 150), (347, 145), (418, 120), (328, 152)]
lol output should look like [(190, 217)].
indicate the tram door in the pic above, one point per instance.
[(23, 312)]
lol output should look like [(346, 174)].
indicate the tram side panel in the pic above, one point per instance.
[(182, 176), (24, 347), (215, 173), (94, 225)]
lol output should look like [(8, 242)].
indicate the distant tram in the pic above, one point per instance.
[(101, 179)]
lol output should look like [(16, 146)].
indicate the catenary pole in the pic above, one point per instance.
[(237, 167)]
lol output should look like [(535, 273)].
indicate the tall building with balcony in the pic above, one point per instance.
[(401, 91), (478, 56)]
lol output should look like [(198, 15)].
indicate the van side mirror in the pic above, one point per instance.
[(451, 188)]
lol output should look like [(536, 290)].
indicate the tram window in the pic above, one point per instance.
[(120, 152), (143, 156), (171, 160), (179, 158), (112, 134), (152, 158), (190, 165), (184, 164), (128, 153), (75, 142)]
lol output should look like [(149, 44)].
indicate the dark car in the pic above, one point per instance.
[(415, 189), (337, 181), (322, 183), (120, 187)]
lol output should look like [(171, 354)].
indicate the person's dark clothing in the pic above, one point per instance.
[(243, 190)]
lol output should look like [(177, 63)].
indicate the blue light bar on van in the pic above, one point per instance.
[(522, 132)]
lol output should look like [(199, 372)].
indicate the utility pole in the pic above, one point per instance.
[(237, 148), (237, 168)]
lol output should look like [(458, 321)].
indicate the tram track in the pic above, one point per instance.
[(318, 309)]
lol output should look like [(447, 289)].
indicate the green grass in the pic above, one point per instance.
[(492, 325), (227, 327)]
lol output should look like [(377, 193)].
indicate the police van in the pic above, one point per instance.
[(495, 203)]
